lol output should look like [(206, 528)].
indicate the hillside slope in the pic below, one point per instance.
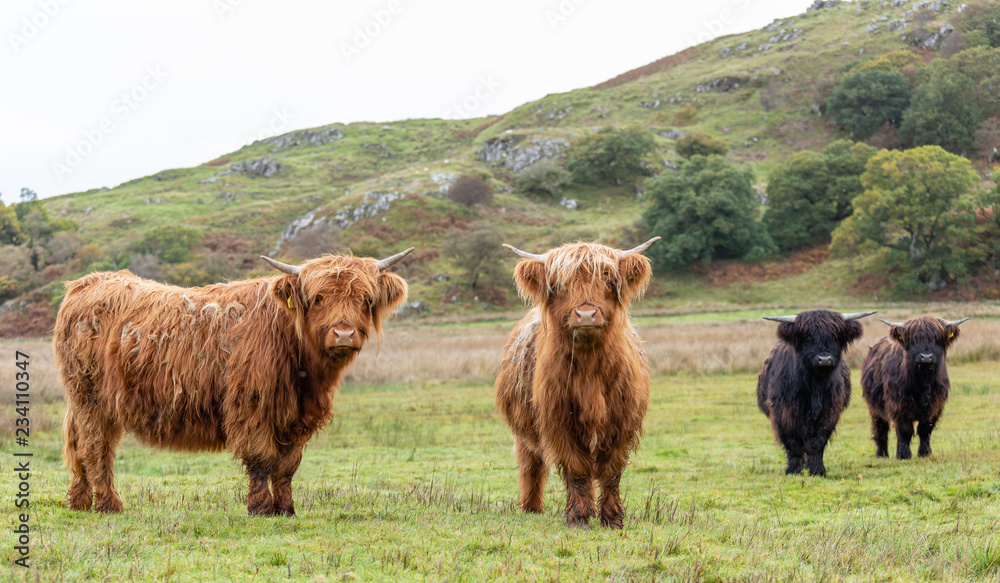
[(376, 188)]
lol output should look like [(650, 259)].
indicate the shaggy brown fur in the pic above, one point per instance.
[(574, 381), (805, 385), (900, 389), (248, 366)]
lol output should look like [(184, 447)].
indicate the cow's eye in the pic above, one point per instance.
[(318, 300), (610, 283)]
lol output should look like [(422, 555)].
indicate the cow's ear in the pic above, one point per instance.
[(392, 293), (288, 290), (852, 331), (529, 276), (786, 332), (635, 271), (951, 333), (896, 333)]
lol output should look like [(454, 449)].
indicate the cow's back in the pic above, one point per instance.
[(882, 367), (156, 356)]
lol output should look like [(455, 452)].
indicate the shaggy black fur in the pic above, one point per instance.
[(904, 379), (805, 385)]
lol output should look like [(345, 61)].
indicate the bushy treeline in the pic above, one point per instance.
[(951, 102)]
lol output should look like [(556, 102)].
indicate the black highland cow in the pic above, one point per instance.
[(805, 385), (904, 379)]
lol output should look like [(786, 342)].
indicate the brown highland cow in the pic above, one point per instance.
[(574, 381), (904, 379), (247, 366)]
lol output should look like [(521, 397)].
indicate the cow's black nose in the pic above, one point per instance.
[(824, 360), (926, 358)]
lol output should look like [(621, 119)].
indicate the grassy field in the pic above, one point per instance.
[(415, 480)]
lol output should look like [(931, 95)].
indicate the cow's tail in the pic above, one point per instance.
[(70, 436)]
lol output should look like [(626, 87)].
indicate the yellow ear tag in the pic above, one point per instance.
[(291, 304), (952, 335)]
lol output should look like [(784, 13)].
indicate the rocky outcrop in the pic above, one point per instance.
[(721, 84), (518, 152), (373, 204), (263, 167), (304, 138)]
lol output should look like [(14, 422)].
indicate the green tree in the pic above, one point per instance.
[(811, 193), (707, 210), (172, 244), (10, 228), (912, 221), (865, 100), (478, 252), (544, 178), (982, 65), (700, 144), (943, 111), (610, 155)]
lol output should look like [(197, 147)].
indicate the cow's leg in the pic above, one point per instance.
[(579, 497), (81, 494), (533, 472), (96, 446), (880, 434), (795, 451), (924, 429), (904, 433), (281, 481), (815, 447), (259, 501), (608, 468)]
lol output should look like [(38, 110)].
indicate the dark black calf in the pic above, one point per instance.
[(805, 385)]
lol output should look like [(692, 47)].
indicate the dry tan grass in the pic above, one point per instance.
[(427, 353)]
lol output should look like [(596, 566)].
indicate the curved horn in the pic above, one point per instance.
[(955, 322), (856, 315), (900, 324), (525, 254), (289, 269), (388, 262), (786, 319), (638, 249)]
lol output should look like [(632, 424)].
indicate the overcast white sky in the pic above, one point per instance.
[(174, 83)]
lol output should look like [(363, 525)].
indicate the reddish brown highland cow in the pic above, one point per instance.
[(904, 379), (248, 366), (574, 381)]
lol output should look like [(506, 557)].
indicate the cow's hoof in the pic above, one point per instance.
[(924, 452), (882, 453), (614, 522), (817, 472), (109, 506), (573, 521), (262, 510)]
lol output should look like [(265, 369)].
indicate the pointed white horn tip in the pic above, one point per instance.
[(524, 254), (887, 322), (640, 248), (785, 319), (956, 322), (388, 262), (283, 267), (857, 315)]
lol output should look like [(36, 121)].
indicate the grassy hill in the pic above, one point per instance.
[(376, 188)]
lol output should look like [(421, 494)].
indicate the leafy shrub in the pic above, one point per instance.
[(469, 190), (809, 194), (544, 178), (610, 155), (865, 100), (911, 223), (170, 243), (700, 144), (707, 210), (478, 253), (943, 111)]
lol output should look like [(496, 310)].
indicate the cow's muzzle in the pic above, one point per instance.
[(926, 359), (824, 360), (586, 316), (343, 337)]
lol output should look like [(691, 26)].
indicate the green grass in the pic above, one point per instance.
[(419, 483)]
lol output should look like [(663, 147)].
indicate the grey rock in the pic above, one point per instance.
[(670, 165), (872, 29), (726, 52), (898, 24), (763, 47), (569, 203), (410, 308), (650, 104), (517, 152), (721, 84), (303, 138), (209, 180), (440, 277), (822, 5), (374, 204), (671, 134), (265, 167)]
